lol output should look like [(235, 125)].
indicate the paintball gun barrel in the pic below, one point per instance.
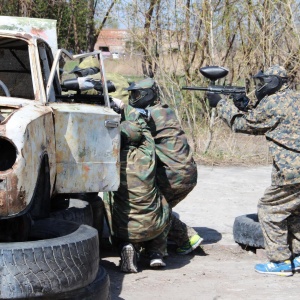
[(84, 83), (214, 73)]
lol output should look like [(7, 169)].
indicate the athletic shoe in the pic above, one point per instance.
[(273, 268), (156, 260), (128, 259), (190, 245), (296, 264)]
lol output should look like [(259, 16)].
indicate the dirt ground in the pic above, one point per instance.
[(222, 269)]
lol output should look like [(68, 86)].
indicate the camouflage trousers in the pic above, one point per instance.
[(179, 233), (157, 244), (176, 194), (279, 217)]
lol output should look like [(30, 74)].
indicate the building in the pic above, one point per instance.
[(112, 41)]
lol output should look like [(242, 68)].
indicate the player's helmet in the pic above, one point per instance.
[(143, 93), (269, 82)]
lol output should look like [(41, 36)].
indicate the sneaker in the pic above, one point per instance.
[(156, 260), (128, 259), (190, 245), (273, 268), (296, 264)]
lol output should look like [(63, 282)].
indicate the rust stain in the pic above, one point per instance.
[(86, 168), (22, 198), (25, 36), (15, 199), (39, 32), (3, 203)]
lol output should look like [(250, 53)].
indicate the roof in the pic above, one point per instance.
[(112, 37)]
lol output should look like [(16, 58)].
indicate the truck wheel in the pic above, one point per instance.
[(78, 211), (99, 289), (247, 231), (62, 256)]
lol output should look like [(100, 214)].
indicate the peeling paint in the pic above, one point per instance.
[(84, 164), (83, 153)]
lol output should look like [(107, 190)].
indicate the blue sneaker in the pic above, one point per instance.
[(296, 264), (273, 268)]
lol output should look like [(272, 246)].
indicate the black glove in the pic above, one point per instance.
[(241, 101), (213, 99)]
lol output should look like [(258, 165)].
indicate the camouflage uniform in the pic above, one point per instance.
[(137, 212), (176, 169), (278, 118)]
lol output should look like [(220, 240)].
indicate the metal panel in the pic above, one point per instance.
[(87, 152), (32, 137), (43, 28)]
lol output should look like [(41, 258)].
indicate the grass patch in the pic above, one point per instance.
[(229, 148)]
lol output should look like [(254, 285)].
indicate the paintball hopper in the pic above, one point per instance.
[(213, 72)]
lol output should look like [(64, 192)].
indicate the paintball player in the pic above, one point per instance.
[(176, 170), (277, 116), (138, 215)]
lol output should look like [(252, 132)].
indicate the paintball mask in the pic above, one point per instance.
[(143, 93), (269, 82)]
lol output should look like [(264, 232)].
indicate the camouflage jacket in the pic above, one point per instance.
[(278, 118), (137, 211), (176, 168)]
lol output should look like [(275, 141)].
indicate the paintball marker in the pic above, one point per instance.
[(214, 73), (80, 84), (85, 83)]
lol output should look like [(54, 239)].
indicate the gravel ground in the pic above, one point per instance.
[(222, 269)]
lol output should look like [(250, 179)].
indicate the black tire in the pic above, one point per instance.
[(40, 203), (62, 256), (4, 88), (16, 229), (97, 206), (98, 214), (99, 289), (60, 202), (78, 211), (247, 231)]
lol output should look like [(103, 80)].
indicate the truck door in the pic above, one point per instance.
[(87, 140)]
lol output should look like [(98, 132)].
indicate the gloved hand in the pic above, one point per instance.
[(85, 83), (213, 99), (118, 102), (144, 113), (241, 101)]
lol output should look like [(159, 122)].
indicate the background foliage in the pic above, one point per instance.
[(171, 39)]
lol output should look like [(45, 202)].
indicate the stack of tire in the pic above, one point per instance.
[(61, 260)]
